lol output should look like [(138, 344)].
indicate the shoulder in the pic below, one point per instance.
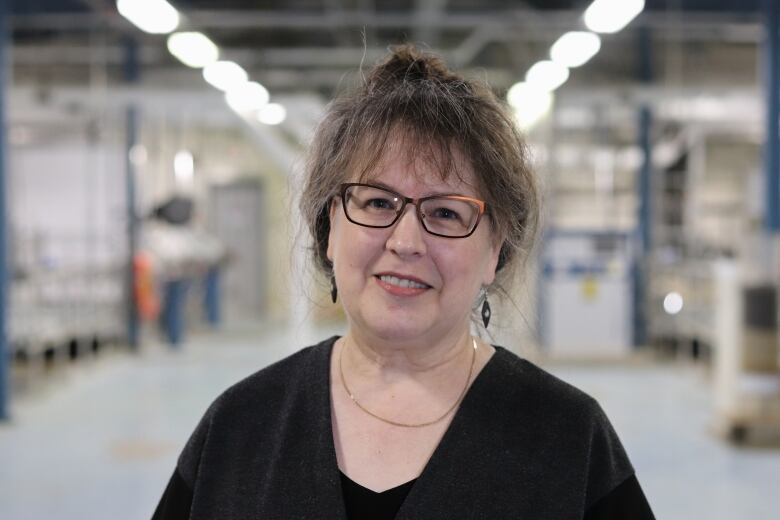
[(252, 409), (304, 370), (560, 421), (521, 383)]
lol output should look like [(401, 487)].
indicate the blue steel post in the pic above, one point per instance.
[(644, 193), (4, 352), (131, 139), (645, 173), (211, 299), (644, 226), (772, 145)]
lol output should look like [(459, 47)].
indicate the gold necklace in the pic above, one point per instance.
[(407, 425)]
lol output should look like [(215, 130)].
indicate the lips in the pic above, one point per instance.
[(402, 285), (403, 282)]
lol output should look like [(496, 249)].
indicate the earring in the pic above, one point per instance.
[(485, 308), (333, 290)]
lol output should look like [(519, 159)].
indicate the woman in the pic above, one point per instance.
[(420, 202)]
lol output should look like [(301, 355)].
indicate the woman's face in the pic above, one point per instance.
[(369, 262)]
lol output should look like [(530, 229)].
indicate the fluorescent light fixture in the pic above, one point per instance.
[(673, 303), (193, 49), (272, 114), (249, 96), (609, 16), (529, 102), (224, 75), (152, 16), (184, 168), (575, 48), (547, 75)]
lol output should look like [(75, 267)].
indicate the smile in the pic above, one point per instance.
[(402, 282)]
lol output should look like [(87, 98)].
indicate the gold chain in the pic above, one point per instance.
[(407, 425)]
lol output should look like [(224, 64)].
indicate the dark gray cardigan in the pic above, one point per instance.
[(523, 444)]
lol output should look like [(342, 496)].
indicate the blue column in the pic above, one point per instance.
[(645, 174), (644, 227), (131, 73), (212, 296), (644, 192), (772, 146), (131, 130), (4, 352)]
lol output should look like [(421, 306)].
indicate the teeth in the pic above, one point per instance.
[(402, 282)]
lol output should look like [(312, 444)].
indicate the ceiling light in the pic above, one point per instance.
[(193, 49), (529, 102), (152, 16), (547, 75), (575, 48), (247, 97), (272, 114), (673, 303), (224, 75), (609, 16)]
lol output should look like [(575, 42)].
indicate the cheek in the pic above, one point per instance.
[(351, 246), (470, 265), (458, 265)]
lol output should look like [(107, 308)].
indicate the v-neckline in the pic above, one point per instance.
[(388, 491), (438, 456)]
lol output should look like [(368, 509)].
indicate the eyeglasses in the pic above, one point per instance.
[(450, 216)]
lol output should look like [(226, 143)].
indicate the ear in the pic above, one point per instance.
[(495, 245), (492, 262), (332, 216)]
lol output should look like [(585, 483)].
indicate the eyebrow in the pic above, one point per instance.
[(395, 190)]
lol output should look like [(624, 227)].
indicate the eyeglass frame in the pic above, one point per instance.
[(481, 208)]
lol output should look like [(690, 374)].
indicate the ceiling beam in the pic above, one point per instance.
[(525, 24), (525, 18), (428, 12)]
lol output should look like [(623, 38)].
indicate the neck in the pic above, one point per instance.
[(370, 357)]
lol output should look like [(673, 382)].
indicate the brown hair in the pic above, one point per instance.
[(436, 114)]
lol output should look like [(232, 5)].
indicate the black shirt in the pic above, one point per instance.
[(625, 501), (363, 503)]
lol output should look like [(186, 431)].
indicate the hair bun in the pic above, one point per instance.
[(407, 63)]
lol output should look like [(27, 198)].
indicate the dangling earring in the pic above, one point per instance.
[(485, 308), (333, 290)]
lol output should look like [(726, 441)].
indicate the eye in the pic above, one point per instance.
[(445, 214), (379, 203)]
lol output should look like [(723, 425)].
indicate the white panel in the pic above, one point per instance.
[(588, 316), (71, 198)]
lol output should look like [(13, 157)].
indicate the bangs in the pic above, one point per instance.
[(422, 154)]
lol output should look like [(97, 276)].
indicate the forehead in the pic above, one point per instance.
[(413, 165)]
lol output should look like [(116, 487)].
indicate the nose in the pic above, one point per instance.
[(408, 236)]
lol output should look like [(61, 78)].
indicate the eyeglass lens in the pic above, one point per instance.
[(371, 206)]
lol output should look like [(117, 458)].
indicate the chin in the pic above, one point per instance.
[(399, 327)]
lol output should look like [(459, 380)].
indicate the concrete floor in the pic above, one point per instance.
[(100, 439)]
